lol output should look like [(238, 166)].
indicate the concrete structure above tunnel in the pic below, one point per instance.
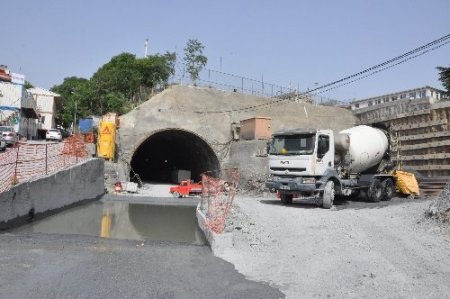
[(199, 122)]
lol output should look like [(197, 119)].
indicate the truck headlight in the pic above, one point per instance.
[(309, 180)]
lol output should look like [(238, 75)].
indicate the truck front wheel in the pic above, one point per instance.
[(328, 195), (286, 198)]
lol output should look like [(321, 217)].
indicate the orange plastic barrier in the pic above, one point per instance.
[(30, 160)]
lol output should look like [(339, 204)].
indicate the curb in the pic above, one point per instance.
[(218, 243)]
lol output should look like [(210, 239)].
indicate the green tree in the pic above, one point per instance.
[(444, 77), (118, 75), (194, 59), (28, 85), (77, 96)]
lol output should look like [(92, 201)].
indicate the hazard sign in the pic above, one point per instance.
[(106, 131)]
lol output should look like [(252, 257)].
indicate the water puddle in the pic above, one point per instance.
[(123, 220)]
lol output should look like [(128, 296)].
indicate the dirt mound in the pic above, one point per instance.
[(440, 206)]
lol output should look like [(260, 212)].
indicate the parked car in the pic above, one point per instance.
[(2, 144), (9, 135), (53, 134)]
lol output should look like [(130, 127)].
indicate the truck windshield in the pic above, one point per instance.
[(292, 145)]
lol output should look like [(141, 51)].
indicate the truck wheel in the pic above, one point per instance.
[(286, 198), (375, 192), (388, 188), (176, 195), (328, 195)]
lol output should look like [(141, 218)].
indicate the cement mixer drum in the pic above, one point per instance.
[(366, 147)]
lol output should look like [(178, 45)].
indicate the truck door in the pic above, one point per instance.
[(324, 154)]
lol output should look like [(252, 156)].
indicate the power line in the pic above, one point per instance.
[(421, 48)]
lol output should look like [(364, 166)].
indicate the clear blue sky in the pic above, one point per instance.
[(301, 42)]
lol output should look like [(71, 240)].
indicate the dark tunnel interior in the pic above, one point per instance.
[(159, 157)]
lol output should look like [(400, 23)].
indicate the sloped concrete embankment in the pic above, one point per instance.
[(81, 182)]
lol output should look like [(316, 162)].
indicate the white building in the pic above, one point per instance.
[(17, 107), (431, 94), (48, 104)]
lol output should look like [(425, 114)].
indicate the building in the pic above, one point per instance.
[(428, 93), (17, 106), (418, 123), (48, 104)]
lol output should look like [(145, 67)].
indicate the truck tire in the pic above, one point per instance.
[(328, 195), (388, 188), (286, 198), (375, 192), (176, 195)]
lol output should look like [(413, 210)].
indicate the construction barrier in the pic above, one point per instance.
[(106, 143), (219, 189), (30, 160)]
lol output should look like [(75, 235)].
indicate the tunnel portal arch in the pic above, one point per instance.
[(162, 153)]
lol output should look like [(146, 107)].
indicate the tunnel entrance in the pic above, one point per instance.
[(164, 153)]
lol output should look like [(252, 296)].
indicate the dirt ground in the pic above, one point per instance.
[(356, 249)]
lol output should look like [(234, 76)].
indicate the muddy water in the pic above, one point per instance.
[(122, 220)]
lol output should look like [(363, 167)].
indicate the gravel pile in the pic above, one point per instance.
[(440, 206)]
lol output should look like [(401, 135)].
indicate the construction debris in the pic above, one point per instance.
[(440, 206)]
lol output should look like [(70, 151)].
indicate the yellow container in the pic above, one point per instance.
[(406, 182), (106, 142)]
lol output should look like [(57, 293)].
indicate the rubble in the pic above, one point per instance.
[(440, 206)]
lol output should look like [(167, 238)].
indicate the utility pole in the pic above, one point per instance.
[(145, 48)]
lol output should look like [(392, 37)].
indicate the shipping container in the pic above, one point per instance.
[(86, 125)]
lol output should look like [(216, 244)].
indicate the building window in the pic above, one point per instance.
[(403, 96), (394, 98), (370, 103), (423, 94), (357, 105), (412, 95), (42, 119)]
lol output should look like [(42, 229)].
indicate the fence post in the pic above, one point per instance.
[(15, 169), (46, 159)]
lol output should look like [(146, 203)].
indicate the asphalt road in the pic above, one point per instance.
[(37, 265), (70, 266)]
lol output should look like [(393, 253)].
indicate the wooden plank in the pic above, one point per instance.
[(428, 167), (420, 125), (423, 157), (388, 118), (421, 145), (424, 136)]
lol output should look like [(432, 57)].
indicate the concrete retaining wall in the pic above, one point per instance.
[(81, 182), (250, 157)]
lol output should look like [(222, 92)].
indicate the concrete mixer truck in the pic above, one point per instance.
[(317, 165)]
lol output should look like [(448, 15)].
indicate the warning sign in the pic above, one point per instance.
[(106, 130)]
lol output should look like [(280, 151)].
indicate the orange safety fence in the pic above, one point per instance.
[(219, 190), (31, 160)]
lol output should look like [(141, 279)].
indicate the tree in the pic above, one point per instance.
[(28, 85), (194, 59), (77, 98), (444, 77)]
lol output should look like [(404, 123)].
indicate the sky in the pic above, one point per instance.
[(297, 43)]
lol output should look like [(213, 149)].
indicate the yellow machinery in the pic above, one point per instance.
[(106, 145), (406, 183)]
